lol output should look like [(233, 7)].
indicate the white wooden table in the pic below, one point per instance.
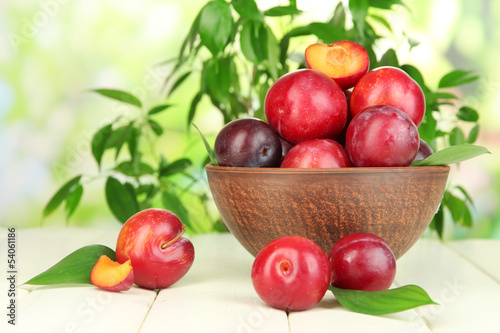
[(217, 295)]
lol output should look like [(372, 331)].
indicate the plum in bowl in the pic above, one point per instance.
[(259, 205)]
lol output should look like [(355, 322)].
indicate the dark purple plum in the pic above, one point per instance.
[(285, 147), (424, 151), (248, 142)]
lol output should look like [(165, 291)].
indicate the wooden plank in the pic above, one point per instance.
[(330, 316), (83, 309), (483, 253), (468, 298), (72, 308), (216, 295)]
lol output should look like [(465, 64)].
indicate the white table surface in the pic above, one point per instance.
[(216, 295)]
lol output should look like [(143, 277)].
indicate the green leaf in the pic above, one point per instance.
[(458, 208), (215, 25), (100, 142), (132, 144), (427, 128), (384, 4), (383, 301), (359, 10), (207, 147), (149, 190), (219, 78), (457, 137), (372, 57), (466, 194), (438, 221), (282, 11), (60, 196), (456, 78), (120, 95), (158, 109), (468, 114), (74, 268), (466, 220), (178, 82), (172, 202), (455, 205), (192, 109), (389, 58), (190, 39), (382, 21), (338, 18), (175, 167), (474, 132), (247, 9), (122, 203), (119, 137), (73, 199), (253, 41), (452, 155), (284, 44), (415, 75), (442, 95), (273, 53), (155, 127), (262, 97), (326, 32), (129, 168)]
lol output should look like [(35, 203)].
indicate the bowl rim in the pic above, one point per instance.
[(349, 170)]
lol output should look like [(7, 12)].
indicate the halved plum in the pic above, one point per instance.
[(344, 61), (111, 275)]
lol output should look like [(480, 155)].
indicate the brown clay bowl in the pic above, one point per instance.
[(261, 204)]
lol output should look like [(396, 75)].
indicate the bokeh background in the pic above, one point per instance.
[(52, 52)]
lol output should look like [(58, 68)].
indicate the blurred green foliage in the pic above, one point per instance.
[(49, 121)]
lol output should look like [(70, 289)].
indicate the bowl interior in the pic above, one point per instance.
[(261, 204)]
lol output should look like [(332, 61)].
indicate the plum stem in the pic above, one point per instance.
[(175, 239)]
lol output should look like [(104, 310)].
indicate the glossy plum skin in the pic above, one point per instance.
[(362, 261), (382, 136), (343, 61), (291, 273), (248, 142), (152, 240), (318, 153), (389, 86), (304, 105)]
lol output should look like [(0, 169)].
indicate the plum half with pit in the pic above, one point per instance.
[(344, 61), (248, 142)]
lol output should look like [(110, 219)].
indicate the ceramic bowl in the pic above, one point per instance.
[(260, 204)]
